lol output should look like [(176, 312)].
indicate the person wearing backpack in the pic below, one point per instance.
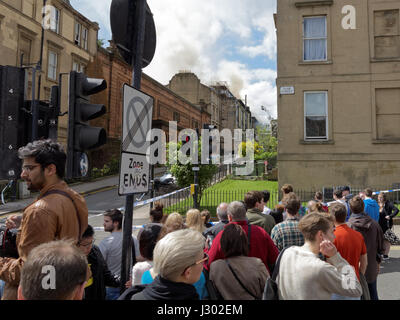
[(58, 213), (211, 233)]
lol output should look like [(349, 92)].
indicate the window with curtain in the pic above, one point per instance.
[(78, 28), (55, 20), (52, 66), (85, 38), (316, 115), (315, 39)]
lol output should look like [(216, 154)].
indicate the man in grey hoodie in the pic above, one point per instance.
[(373, 237)]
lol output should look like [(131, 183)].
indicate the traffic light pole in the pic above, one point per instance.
[(136, 79)]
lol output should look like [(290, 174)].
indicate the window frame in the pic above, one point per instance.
[(84, 40), (55, 67), (58, 14), (326, 138), (78, 35), (325, 38)]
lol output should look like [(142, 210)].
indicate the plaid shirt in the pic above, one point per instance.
[(287, 233)]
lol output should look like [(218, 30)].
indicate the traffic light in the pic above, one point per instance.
[(82, 136), (186, 139), (12, 129)]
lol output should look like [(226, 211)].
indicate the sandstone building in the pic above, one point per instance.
[(69, 43), (338, 92)]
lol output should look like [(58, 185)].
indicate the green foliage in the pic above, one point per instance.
[(269, 145), (101, 43), (110, 169), (183, 172)]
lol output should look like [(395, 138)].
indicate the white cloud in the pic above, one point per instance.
[(210, 38)]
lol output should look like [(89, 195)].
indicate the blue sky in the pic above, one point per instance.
[(224, 40)]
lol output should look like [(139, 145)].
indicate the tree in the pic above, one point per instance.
[(100, 43), (269, 145), (183, 172)]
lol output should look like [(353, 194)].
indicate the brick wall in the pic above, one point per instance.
[(110, 67)]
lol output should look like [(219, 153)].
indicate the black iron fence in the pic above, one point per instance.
[(210, 199)]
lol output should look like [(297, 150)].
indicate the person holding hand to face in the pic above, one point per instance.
[(304, 276)]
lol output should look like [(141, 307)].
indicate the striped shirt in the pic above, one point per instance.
[(287, 233)]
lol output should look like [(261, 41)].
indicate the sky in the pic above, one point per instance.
[(231, 41)]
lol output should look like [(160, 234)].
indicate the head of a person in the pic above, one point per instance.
[(314, 206), (43, 163), (179, 256), (113, 220), (254, 200), (287, 188), (338, 194), (279, 208), (194, 220), (236, 211), (54, 270), (291, 203), (382, 197), (222, 211), (339, 212), (266, 196), (357, 204), (317, 227), (156, 214), (206, 216), (173, 222), (318, 196), (148, 237), (368, 192), (87, 240), (234, 241), (345, 190)]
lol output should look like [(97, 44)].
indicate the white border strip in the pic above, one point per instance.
[(374, 193), (144, 202)]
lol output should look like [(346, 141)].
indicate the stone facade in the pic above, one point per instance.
[(70, 43), (188, 85), (338, 93)]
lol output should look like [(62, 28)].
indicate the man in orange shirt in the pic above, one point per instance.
[(349, 243)]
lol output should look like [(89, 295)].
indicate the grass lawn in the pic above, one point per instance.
[(225, 191)]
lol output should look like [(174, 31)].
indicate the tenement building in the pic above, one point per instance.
[(338, 92), (69, 42)]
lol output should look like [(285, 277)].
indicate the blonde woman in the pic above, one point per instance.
[(173, 222), (194, 220)]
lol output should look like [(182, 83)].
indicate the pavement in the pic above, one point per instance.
[(84, 188)]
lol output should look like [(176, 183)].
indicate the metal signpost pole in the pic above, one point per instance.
[(196, 189), (137, 76), (34, 111)]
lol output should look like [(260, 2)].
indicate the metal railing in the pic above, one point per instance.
[(210, 199)]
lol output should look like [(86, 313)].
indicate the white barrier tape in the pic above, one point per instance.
[(374, 193), (102, 228), (141, 203)]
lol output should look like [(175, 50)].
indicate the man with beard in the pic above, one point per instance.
[(111, 248), (58, 213)]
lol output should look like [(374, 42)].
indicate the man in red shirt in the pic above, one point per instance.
[(348, 242), (260, 243)]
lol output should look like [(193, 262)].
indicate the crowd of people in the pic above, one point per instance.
[(329, 251)]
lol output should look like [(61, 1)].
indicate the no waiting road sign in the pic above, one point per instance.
[(137, 117), (136, 123)]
